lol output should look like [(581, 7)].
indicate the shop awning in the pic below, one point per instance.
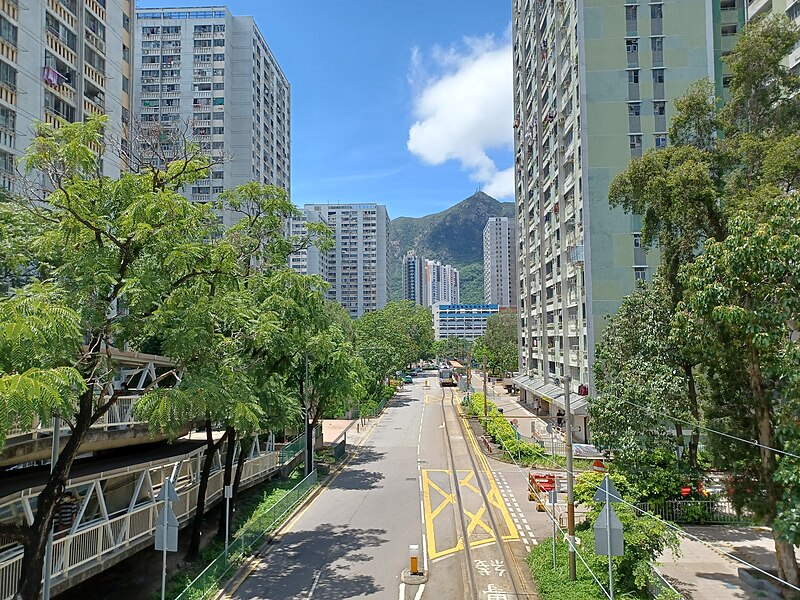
[(552, 394)]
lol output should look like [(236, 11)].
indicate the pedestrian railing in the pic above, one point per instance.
[(696, 511), (247, 539), (660, 587), (292, 449)]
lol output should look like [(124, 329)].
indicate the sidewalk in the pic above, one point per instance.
[(702, 573)]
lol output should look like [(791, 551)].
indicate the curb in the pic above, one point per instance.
[(243, 572)]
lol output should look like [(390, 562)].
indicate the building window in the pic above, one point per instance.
[(635, 141), (637, 240), (632, 45), (633, 76), (658, 75), (659, 108), (640, 273), (726, 80), (656, 11), (657, 44), (126, 84), (126, 22), (727, 4), (661, 140), (729, 29), (634, 109)]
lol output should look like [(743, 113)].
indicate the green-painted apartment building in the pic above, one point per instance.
[(594, 85)]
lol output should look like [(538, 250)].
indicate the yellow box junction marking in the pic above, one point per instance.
[(495, 498), (432, 493)]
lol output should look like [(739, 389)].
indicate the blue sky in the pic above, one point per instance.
[(406, 103)]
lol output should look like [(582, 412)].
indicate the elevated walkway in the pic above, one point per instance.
[(116, 494)]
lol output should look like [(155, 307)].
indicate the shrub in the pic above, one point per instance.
[(496, 426)]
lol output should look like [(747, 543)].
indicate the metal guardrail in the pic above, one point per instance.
[(247, 538), (292, 449), (696, 511)]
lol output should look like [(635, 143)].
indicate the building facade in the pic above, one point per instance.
[(791, 8), (412, 277), (63, 60), (500, 279), (211, 75), (357, 266), (440, 283), (461, 320), (310, 261), (594, 86)]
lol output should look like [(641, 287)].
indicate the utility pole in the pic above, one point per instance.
[(309, 444), (485, 393), (570, 483), (469, 371)]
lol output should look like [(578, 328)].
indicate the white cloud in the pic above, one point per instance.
[(465, 110)]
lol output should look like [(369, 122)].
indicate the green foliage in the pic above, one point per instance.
[(390, 339), (39, 337), (497, 347), (722, 204), (496, 426), (452, 236), (452, 348)]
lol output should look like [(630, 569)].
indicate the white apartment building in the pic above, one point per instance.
[(440, 283), (500, 279), (412, 277), (63, 60), (357, 266), (461, 320), (212, 73), (309, 261)]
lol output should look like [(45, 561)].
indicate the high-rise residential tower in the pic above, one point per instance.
[(63, 60), (761, 8), (310, 261), (212, 73), (357, 266), (500, 280), (440, 283), (594, 85), (412, 277)]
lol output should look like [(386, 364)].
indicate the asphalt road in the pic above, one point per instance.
[(403, 486)]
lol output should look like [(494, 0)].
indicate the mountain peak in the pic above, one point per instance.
[(453, 236)]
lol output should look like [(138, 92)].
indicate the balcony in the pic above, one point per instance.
[(94, 74), (57, 7), (61, 49), (98, 10), (95, 40)]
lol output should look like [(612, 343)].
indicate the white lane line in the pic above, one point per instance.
[(314, 586), (418, 595), (402, 591), (524, 520)]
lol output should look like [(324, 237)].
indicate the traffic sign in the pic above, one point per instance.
[(605, 544), (167, 531), (599, 466), (167, 492), (607, 492)]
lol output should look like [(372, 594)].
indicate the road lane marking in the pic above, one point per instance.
[(314, 586), (418, 595), (402, 591)]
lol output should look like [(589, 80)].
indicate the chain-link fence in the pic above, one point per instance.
[(246, 540)]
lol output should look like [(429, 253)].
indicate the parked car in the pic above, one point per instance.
[(408, 379)]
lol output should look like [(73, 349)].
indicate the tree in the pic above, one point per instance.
[(640, 387), (741, 301), (392, 338), (118, 249), (453, 348), (497, 348), (721, 189), (38, 337)]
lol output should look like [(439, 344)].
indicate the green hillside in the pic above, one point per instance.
[(453, 236)]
